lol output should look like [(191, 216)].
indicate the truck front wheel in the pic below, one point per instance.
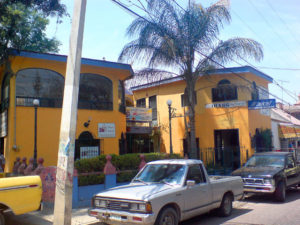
[(167, 217), (280, 192), (226, 205)]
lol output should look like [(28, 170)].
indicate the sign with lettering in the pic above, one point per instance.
[(262, 104), (226, 105), (106, 130), (138, 114)]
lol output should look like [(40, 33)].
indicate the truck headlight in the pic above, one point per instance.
[(100, 203), (142, 207), (268, 181)]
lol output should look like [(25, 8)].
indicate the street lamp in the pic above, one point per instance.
[(36, 103), (169, 103)]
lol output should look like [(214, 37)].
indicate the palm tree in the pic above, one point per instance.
[(172, 40)]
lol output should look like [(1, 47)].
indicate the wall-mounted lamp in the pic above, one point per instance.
[(86, 124), (169, 103)]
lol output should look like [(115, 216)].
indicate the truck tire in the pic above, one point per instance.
[(280, 192), (226, 206), (2, 220), (167, 216)]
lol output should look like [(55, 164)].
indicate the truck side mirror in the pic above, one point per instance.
[(190, 183), (290, 166)]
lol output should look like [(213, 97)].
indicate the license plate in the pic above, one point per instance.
[(115, 217)]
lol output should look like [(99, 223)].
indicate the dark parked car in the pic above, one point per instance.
[(270, 172)]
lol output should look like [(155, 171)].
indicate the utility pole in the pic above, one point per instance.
[(282, 81), (65, 161)]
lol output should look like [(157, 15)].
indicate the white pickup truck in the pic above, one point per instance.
[(167, 192)]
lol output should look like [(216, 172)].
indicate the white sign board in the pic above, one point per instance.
[(3, 124), (226, 105), (89, 152), (106, 130)]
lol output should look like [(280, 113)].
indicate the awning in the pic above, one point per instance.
[(288, 131)]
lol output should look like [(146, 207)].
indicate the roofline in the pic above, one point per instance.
[(243, 69), (63, 58)]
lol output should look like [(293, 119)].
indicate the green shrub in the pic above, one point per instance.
[(126, 176), (84, 180), (121, 162)]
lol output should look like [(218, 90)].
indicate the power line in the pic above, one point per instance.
[(284, 23), (260, 37), (277, 68), (274, 31), (217, 63)]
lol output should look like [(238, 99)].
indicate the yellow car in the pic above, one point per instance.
[(20, 195)]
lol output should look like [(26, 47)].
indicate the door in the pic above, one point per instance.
[(198, 197), (291, 171), (227, 148)]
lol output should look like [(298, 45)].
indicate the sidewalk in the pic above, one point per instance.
[(45, 217)]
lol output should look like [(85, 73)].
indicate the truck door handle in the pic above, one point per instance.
[(178, 194)]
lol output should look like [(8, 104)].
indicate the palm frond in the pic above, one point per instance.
[(232, 49)]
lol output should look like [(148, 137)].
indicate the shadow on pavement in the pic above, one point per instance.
[(11, 219), (213, 219), (291, 195)]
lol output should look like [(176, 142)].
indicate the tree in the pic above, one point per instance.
[(185, 41), (23, 24)]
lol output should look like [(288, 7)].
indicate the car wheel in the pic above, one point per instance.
[(280, 192), (167, 217), (2, 220), (226, 206)]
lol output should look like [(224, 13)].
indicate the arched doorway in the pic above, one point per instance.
[(86, 146)]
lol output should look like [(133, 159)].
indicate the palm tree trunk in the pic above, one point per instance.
[(190, 87), (193, 152)]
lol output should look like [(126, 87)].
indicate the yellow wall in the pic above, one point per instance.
[(48, 119), (207, 119)]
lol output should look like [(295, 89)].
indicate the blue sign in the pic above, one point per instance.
[(262, 104)]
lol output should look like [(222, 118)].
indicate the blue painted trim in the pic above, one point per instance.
[(243, 69), (63, 58)]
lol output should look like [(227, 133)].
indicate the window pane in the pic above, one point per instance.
[(95, 92), (195, 174), (46, 85), (141, 102), (225, 91), (153, 105)]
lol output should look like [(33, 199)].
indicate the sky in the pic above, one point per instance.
[(273, 23)]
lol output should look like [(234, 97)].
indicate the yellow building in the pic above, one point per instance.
[(225, 127), (101, 115)]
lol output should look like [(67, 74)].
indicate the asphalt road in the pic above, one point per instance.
[(257, 210), (254, 210)]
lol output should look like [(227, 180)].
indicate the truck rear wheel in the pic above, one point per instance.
[(167, 217), (280, 192), (226, 205)]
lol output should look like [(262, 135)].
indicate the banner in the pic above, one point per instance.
[(138, 114), (262, 104)]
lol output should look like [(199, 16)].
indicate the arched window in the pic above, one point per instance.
[(95, 92), (225, 91), (5, 92), (45, 85)]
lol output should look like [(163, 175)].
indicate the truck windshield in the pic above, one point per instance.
[(265, 160), (161, 173)]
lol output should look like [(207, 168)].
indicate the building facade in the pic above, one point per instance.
[(225, 127), (101, 119)]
